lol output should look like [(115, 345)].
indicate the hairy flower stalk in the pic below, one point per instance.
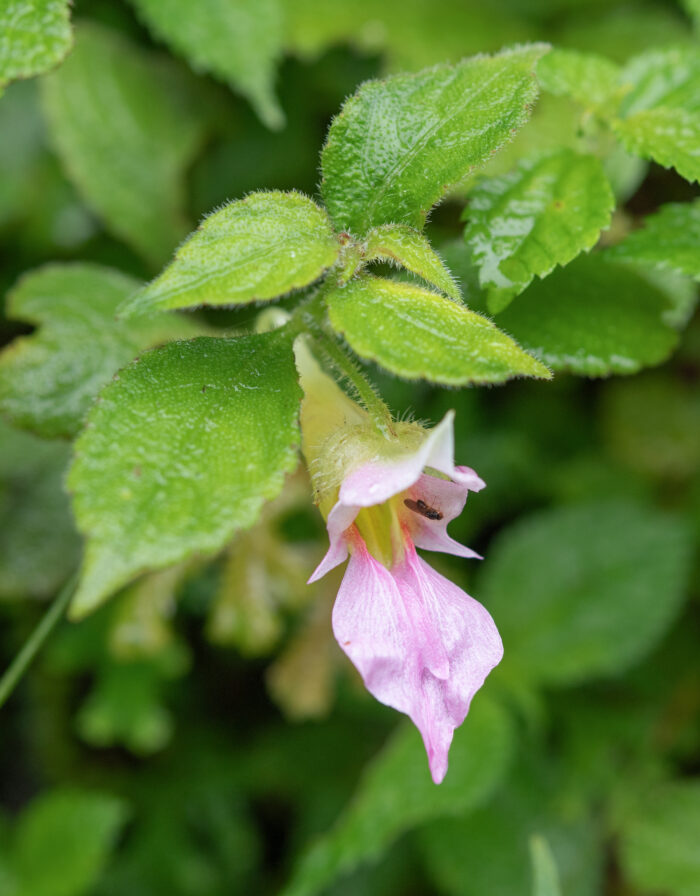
[(421, 644)]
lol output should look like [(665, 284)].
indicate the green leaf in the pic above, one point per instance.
[(487, 851), (410, 249), (126, 125), (35, 35), (589, 79), (593, 318), (652, 423), (660, 115), (418, 334), (543, 214), (409, 35), (63, 841), (39, 547), (544, 869), (399, 144), (585, 591), (669, 240), (237, 42), (49, 379), (668, 136), (206, 430), (659, 839), (396, 794), (253, 249)]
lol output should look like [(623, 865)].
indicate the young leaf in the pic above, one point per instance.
[(253, 249), (399, 144), (410, 249), (63, 841), (593, 318), (597, 586), (35, 35), (417, 334), (125, 125), (206, 430), (49, 379), (659, 839), (544, 213), (669, 240), (660, 115), (589, 79), (385, 807), (237, 42)]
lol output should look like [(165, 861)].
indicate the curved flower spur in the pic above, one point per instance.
[(420, 643)]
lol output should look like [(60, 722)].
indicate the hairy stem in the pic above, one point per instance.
[(22, 661)]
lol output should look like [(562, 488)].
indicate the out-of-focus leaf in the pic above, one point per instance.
[(544, 868), (35, 35), (49, 379), (397, 794), (418, 334), (206, 431), (669, 240), (63, 840), (612, 32), (410, 249), (399, 144), (586, 591), (254, 249), (126, 125), (586, 77), (39, 546), (652, 423), (237, 42), (659, 839), (409, 35), (593, 318), (660, 114), (487, 851), (524, 224), (125, 707)]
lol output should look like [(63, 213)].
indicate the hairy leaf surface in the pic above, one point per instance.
[(417, 334), (410, 249), (399, 144), (206, 430), (253, 249)]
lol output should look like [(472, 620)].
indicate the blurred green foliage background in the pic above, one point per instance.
[(202, 734)]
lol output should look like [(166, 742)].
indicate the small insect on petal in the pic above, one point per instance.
[(422, 508)]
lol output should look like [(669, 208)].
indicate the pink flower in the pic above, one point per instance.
[(421, 644)]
